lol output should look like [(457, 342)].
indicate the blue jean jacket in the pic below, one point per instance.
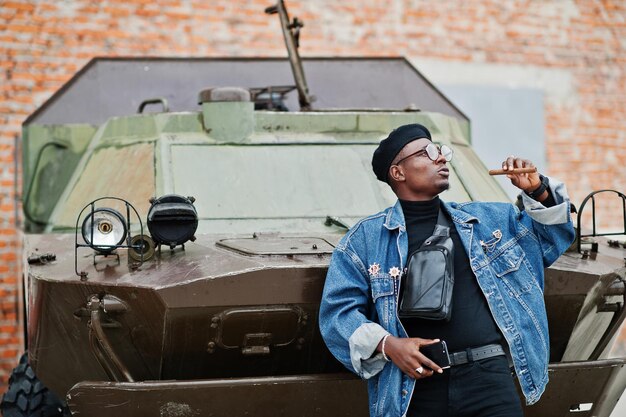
[(508, 250)]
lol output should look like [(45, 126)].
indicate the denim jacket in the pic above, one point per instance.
[(508, 250)]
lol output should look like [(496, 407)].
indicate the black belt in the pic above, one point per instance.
[(476, 354)]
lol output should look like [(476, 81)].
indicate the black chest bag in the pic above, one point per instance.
[(426, 287)]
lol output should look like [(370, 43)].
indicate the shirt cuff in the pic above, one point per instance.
[(363, 343), (557, 214)]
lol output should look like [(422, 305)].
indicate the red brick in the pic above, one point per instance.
[(26, 7), (8, 329), (9, 353), (7, 257)]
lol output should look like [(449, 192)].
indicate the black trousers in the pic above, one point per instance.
[(478, 389)]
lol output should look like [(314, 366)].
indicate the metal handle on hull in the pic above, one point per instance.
[(100, 345), (158, 100)]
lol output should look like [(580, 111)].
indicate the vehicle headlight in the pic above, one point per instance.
[(104, 229), (172, 220)]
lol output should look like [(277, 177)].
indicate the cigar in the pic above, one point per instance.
[(512, 171)]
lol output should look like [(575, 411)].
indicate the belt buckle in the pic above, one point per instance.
[(460, 358)]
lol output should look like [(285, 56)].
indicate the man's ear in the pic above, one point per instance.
[(396, 173)]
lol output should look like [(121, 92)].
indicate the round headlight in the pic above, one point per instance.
[(172, 220), (104, 229)]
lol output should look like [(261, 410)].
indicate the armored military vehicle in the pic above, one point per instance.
[(176, 258)]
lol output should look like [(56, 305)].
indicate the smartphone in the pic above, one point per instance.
[(438, 353)]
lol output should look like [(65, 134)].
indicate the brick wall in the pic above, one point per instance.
[(43, 43)]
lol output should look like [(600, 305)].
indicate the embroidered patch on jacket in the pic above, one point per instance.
[(374, 269), (395, 272)]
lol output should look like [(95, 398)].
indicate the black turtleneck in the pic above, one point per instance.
[(472, 324)]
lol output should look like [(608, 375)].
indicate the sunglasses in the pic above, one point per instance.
[(432, 151)]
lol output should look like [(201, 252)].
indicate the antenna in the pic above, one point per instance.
[(291, 33)]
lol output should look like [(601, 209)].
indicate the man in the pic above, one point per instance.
[(498, 312)]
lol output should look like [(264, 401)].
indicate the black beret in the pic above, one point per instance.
[(393, 144)]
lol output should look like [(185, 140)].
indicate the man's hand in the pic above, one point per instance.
[(405, 354), (525, 182)]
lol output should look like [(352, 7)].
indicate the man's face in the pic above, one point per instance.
[(418, 177)]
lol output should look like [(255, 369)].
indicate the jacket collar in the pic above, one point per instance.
[(395, 216), (459, 216)]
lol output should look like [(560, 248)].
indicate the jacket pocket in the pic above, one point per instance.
[(383, 296), (512, 266), (508, 261), (382, 285)]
